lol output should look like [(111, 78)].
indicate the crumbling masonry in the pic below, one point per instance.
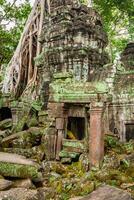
[(60, 76)]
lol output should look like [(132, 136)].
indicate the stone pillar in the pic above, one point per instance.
[(106, 119), (60, 135), (96, 137), (16, 113), (56, 111)]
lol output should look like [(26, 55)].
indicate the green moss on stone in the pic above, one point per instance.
[(20, 171), (65, 154)]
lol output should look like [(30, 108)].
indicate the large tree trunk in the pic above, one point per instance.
[(22, 65)]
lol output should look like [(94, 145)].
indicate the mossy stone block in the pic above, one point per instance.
[(19, 171)]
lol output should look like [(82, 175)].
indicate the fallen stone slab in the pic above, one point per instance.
[(13, 165), (16, 159), (4, 133), (30, 137), (6, 141), (27, 152), (23, 183), (5, 124), (5, 184), (19, 194), (107, 192)]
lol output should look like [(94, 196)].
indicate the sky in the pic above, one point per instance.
[(32, 1), (11, 24), (21, 1)]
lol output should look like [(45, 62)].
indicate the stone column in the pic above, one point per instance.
[(16, 113), (96, 137), (60, 135), (106, 122)]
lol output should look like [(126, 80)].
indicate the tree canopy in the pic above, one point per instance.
[(118, 16), (118, 19)]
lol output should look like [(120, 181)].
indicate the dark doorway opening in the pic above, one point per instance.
[(77, 127), (129, 131), (5, 113)]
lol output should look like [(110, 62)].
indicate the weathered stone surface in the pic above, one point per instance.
[(27, 152), (54, 167), (23, 183), (84, 161), (66, 154), (74, 38), (6, 141), (16, 159), (42, 117), (49, 142), (73, 91), (66, 160), (5, 124), (5, 184), (73, 42), (20, 171), (73, 146), (46, 193), (60, 123), (108, 193), (13, 165), (31, 138), (32, 122), (96, 138), (130, 158), (4, 133), (23, 139), (127, 56), (19, 194)]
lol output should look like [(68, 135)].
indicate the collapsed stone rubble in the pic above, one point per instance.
[(53, 126)]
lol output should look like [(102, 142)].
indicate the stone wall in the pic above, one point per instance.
[(73, 40)]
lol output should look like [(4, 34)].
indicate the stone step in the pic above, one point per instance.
[(66, 160), (67, 154), (74, 146)]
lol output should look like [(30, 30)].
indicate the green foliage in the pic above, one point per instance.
[(118, 22), (118, 17), (128, 147), (83, 1), (125, 163), (12, 20), (111, 142)]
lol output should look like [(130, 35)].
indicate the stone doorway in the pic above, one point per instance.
[(129, 131), (76, 125), (5, 113)]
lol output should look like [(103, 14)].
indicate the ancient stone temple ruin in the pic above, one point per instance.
[(60, 82)]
